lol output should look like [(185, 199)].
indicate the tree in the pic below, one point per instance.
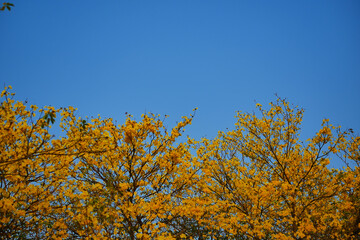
[(100, 180), (350, 197), (135, 188), (268, 184), (33, 169)]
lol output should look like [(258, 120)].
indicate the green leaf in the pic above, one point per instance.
[(83, 125), (7, 6)]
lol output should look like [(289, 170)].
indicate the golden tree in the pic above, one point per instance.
[(349, 206), (138, 180), (134, 189), (268, 184), (33, 170)]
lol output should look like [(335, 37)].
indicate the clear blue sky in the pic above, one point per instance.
[(169, 56)]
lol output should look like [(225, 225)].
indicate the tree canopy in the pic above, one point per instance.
[(140, 180)]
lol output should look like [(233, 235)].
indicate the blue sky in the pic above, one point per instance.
[(169, 56)]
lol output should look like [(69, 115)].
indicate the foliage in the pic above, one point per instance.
[(139, 180), (7, 6)]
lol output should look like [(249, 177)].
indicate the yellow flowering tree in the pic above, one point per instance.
[(140, 180), (33, 170), (349, 206), (134, 189), (268, 184)]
